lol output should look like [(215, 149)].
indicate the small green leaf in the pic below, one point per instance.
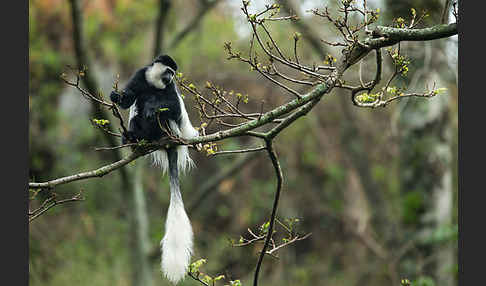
[(440, 90), (297, 36), (235, 283), (194, 267), (207, 278), (100, 122)]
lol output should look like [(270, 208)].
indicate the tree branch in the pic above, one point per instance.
[(164, 7), (88, 79), (100, 172), (206, 7), (305, 29), (278, 171), (388, 36)]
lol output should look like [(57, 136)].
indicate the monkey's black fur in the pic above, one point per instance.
[(150, 102), (159, 108)]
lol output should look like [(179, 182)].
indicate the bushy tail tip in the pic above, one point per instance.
[(177, 243)]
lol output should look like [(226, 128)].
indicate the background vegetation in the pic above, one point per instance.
[(377, 188)]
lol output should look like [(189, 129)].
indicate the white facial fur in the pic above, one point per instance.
[(153, 75)]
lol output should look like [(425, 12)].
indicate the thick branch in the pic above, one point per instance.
[(387, 36), (90, 174), (291, 118)]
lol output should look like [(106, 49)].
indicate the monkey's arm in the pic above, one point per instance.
[(125, 98), (135, 86)]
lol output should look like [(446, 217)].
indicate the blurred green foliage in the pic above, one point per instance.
[(87, 242)]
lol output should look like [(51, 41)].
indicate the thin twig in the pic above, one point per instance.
[(240, 151), (45, 206)]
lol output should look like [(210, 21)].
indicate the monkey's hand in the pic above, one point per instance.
[(115, 97)]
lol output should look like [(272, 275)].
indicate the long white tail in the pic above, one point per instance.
[(178, 239), (177, 243)]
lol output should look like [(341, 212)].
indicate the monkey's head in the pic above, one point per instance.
[(162, 71), (167, 61)]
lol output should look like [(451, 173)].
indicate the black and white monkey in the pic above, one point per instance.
[(158, 102)]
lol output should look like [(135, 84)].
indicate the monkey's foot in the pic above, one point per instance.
[(129, 137)]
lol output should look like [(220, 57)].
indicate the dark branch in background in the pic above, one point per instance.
[(206, 6), (88, 78), (159, 42)]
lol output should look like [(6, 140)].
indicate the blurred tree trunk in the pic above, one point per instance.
[(426, 174), (361, 191), (43, 121), (142, 271), (45, 91), (426, 155), (142, 250), (128, 193), (159, 39), (357, 157)]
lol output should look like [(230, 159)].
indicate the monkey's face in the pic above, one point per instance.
[(159, 75), (167, 75)]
